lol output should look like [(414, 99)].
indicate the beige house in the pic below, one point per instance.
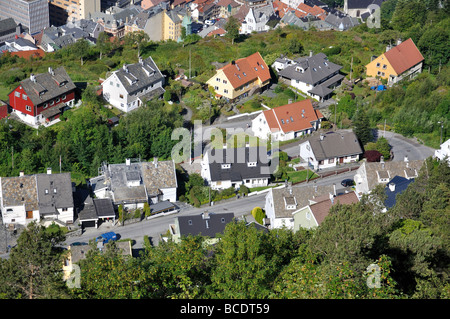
[(241, 78), (63, 11)]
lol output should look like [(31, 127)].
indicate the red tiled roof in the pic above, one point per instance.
[(245, 70), (39, 53), (218, 31), (296, 117), (321, 209), (404, 56)]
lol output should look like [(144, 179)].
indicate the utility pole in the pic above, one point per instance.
[(189, 63), (351, 68)]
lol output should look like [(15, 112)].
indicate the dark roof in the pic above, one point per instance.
[(162, 207), (238, 158), (104, 207), (335, 144), (54, 191), (315, 69), (7, 24), (47, 86), (135, 77), (401, 184), (362, 4), (207, 224)]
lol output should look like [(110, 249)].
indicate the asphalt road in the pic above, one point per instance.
[(402, 146)]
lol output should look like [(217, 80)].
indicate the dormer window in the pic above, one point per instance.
[(225, 166), (251, 164)]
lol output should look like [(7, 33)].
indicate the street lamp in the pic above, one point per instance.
[(442, 126)]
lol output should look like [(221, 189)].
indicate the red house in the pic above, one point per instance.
[(42, 98)]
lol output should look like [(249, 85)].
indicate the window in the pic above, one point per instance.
[(54, 190), (57, 100), (52, 102), (282, 121), (28, 108), (64, 97), (64, 209), (190, 222), (222, 220), (225, 91), (17, 94), (378, 65), (384, 66), (46, 192), (24, 97), (45, 105), (121, 96), (225, 81), (331, 160)]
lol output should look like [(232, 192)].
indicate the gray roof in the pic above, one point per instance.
[(47, 86), (315, 69), (54, 191), (209, 224), (20, 190), (362, 4), (7, 24), (116, 18), (335, 144), (302, 196), (238, 158), (342, 22), (135, 77)]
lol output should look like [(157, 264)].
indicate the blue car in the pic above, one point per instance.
[(106, 237)]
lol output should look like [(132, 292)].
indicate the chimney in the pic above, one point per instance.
[(332, 198), (399, 41), (321, 137), (155, 162), (32, 77), (127, 162), (224, 146), (205, 215), (406, 159), (289, 101), (21, 173), (392, 187), (50, 70), (334, 189), (49, 170), (310, 53)]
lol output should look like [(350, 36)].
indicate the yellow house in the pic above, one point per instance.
[(397, 63), (172, 23), (240, 78)]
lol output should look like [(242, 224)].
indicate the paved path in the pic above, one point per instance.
[(403, 146)]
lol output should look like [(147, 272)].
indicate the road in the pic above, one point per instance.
[(402, 146), (159, 225)]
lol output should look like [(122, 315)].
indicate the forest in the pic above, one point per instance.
[(408, 246)]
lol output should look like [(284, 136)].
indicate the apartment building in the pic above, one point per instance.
[(33, 14), (63, 11)]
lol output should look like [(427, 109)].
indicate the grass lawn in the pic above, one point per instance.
[(300, 176)]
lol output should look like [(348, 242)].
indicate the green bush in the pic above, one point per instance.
[(258, 214)]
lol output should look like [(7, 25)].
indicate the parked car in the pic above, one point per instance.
[(77, 243), (347, 182), (106, 237)]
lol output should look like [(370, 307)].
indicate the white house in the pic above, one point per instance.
[(233, 167), (331, 149), (370, 174), (133, 84), (28, 198), (132, 184), (257, 18), (287, 122), (313, 75), (444, 151), (282, 203)]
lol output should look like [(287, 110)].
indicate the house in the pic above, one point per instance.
[(206, 224), (148, 4), (241, 78), (313, 75), (133, 184), (287, 122), (79, 252), (443, 151), (9, 29), (114, 18), (361, 8), (28, 198), (394, 187), (403, 61), (371, 174), (42, 98), (227, 8), (313, 215), (340, 21), (129, 87), (257, 19), (281, 203), (331, 149), (95, 210), (233, 167), (149, 21)]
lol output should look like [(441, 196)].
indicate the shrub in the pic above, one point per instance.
[(372, 155), (258, 214)]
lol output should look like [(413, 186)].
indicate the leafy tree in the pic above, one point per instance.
[(136, 39), (33, 270), (407, 13), (232, 27), (103, 43), (258, 214)]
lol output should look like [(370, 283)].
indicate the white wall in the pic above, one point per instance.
[(260, 127)]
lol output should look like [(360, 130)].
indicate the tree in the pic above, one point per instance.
[(258, 214), (361, 126), (103, 43), (136, 39), (33, 270), (232, 27)]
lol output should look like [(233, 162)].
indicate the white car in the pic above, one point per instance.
[(209, 22)]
